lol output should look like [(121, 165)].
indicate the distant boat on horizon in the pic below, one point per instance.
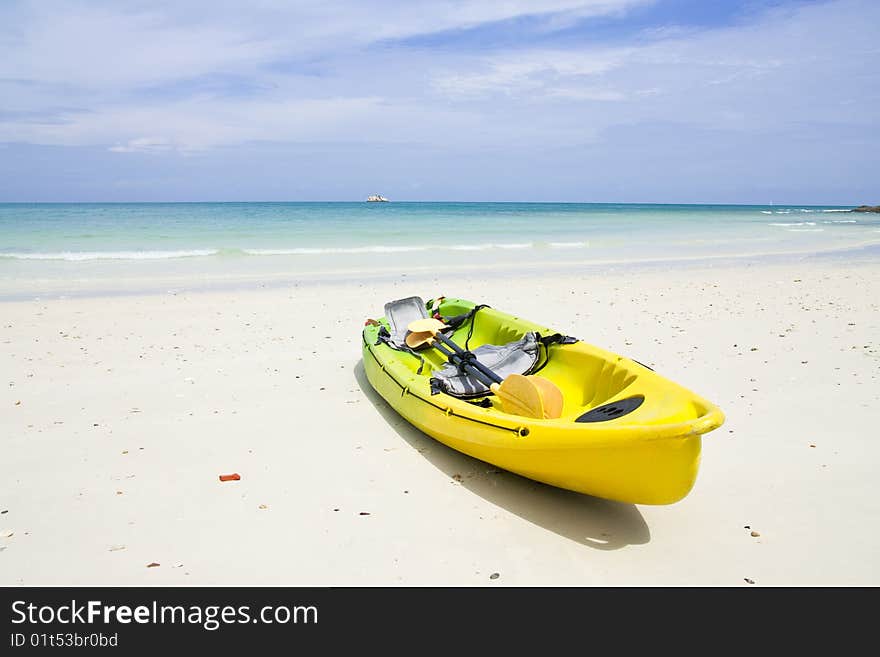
[(376, 198)]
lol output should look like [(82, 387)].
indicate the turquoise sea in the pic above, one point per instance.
[(75, 248)]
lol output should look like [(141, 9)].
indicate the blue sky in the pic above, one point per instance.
[(560, 100)]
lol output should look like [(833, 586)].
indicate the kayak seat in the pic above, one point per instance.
[(515, 357), (400, 314), (514, 353)]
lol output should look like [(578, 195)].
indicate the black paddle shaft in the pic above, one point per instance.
[(467, 359), (468, 365)]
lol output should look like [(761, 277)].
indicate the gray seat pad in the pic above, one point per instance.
[(517, 357)]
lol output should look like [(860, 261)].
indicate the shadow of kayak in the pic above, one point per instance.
[(591, 521)]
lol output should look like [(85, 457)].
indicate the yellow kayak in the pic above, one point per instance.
[(624, 432)]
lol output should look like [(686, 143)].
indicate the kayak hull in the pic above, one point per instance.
[(649, 456)]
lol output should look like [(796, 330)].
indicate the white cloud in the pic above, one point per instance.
[(97, 73), (117, 44), (200, 124), (129, 75), (790, 67), (96, 49), (543, 72), (143, 145)]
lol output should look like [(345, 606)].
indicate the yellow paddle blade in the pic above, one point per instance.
[(551, 396), (414, 340), (519, 396), (427, 325)]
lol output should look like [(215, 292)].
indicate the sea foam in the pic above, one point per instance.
[(318, 251), (110, 255), (334, 250)]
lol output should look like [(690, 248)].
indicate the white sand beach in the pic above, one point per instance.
[(119, 414)]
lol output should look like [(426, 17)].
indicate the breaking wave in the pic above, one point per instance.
[(298, 251), (111, 255)]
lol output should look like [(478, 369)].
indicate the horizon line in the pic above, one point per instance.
[(715, 203)]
